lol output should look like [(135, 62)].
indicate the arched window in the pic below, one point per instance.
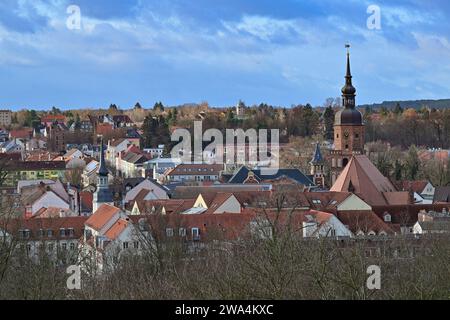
[(387, 217)]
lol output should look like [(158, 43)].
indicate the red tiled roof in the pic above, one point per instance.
[(54, 224), (100, 217), (116, 229), (366, 180), (364, 221), (21, 134), (104, 128), (416, 186), (53, 118)]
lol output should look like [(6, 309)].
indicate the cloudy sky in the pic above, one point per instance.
[(281, 52)]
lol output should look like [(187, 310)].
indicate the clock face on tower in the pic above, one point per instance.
[(346, 134)]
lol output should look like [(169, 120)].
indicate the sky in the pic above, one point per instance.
[(282, 52)]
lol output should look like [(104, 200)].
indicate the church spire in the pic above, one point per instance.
[(317, 158), (103, 171), (348, 91)]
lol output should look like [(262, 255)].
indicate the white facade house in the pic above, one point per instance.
[(108, 234), (114, 149), (324, 225), (156, 191)]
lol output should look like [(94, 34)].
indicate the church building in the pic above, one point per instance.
[(348, 129)]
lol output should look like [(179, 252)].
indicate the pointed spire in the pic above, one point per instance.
[(103, 171), (348, 91), (348, 76), (317, 158)]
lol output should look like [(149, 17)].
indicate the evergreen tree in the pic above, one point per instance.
[(328, 118), (398, 170), (412, 163), (158, 107), (398, 109)]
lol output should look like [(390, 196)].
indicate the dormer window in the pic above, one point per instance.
[(387, 217)]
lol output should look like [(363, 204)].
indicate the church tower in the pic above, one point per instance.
[(317, 167), (102, 194), (348, 128)]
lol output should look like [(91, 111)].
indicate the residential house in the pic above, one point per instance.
[(50, 119), (156, 168), (115, 148), (109, 234), (59, 237), (5, 118), (423, 190), (25, 134), (195, 173), (33, 170), (154, 191), (245, 175), (122, 121), (433, 222)]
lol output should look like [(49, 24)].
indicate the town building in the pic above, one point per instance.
[(348, 129), (195, 173), (5, 118), (33, 170)]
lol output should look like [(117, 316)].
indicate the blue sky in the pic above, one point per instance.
[(281, 52)]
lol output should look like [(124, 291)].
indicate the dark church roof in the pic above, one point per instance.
[(317, 158), (349, 115), (242, 174)]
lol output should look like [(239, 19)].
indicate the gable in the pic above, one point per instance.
[(200, 202), (353, 203), (231, 205)]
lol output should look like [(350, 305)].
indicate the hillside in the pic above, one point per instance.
[(416, 104)]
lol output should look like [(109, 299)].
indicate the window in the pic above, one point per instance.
[(70, 232), (182, 232), (136, 244), (356, 135), (25, 234), (72, 246), (387, 217), (28, 248), (169, 232), (62, 232), (315, 201), (41, 233), (64, 246), (49, 233), (125, 245), (195, 233), (50, 247)]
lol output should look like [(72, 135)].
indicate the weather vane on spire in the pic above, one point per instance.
[(347, 45)]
